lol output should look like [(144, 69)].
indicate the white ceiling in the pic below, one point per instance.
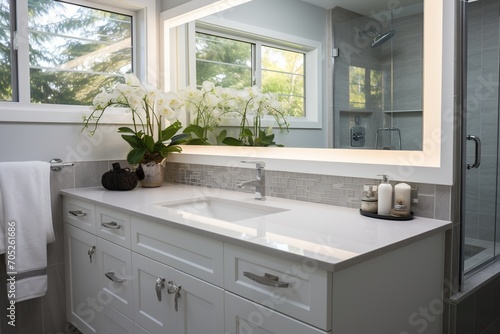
[(365, 7)]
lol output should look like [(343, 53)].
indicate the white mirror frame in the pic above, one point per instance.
[(431, 165)]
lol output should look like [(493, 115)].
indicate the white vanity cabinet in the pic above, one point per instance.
[(148, 271), (116, 285)]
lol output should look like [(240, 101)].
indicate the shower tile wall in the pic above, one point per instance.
[(407, 75), (482, 118)]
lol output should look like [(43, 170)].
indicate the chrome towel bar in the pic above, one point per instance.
[(57, 164)]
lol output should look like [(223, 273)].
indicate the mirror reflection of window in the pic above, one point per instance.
[(225, 62), (230, 62), (283, 74), (365, 88)]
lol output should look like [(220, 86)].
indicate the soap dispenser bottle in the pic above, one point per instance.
[(384, 197)]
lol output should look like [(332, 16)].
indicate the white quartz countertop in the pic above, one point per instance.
[(335, 237)]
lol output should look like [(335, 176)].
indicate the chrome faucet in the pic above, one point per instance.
[(259, 182)]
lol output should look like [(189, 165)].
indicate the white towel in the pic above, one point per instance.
[(26, 207)]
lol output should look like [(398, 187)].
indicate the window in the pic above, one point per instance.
[(365, 88), (242, 62), (73, 50), (6, 60), (226, 62)]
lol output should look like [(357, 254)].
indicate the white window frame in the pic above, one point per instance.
[(182, 76), (144, 13)]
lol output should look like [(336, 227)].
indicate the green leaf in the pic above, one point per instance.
[(149, 143), (196, 141), (220, 138), (232, 141), (196, 129), (180, 139), (247, 133), (170, 131), (165, 151), (124, 129), (133, 141), (135, 155)]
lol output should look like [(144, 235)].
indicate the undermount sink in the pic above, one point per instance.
[(219, 208)]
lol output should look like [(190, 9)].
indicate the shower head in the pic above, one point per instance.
[(381, 39)]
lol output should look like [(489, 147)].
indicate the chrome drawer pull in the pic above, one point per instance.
[(159, 284), (267, 279), (91, 252), (111, 276), (174, 289), (78, 213), (111, 225)]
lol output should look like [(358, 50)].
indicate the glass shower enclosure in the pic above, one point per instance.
[(480, 194)]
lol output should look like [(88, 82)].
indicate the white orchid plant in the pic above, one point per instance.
[(149, 108), (210, 103), (253, 107), (206, 106)]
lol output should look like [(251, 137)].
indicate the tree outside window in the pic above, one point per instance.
[(73, 51), (231, 63)]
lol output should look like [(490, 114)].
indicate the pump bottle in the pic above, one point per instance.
[(384, 197)]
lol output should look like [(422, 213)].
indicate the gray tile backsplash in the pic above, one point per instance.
[(433, 200)]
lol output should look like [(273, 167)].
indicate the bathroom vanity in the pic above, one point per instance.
[(185, 259)]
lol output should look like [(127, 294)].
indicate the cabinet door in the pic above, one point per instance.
[(200, 305), (116, 323), (244, 316), (115, 276), (152, 309), (82, 307)]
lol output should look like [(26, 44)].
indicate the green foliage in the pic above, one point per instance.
[(61, 43), (142, 143), (223, 61)]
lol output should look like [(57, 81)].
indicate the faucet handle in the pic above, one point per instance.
[(258, 164)]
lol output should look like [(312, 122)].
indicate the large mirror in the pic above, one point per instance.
[(348, 74), (411, 102)]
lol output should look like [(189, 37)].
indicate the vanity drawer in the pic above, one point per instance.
[(296, 288), (113, 226), (196, 255), (244, 316), (115, 276), (80, 214)]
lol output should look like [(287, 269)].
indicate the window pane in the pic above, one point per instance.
[(357, 95), (283, 74), (5, 53), (74, 50), (365, 88), (224, 61)]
